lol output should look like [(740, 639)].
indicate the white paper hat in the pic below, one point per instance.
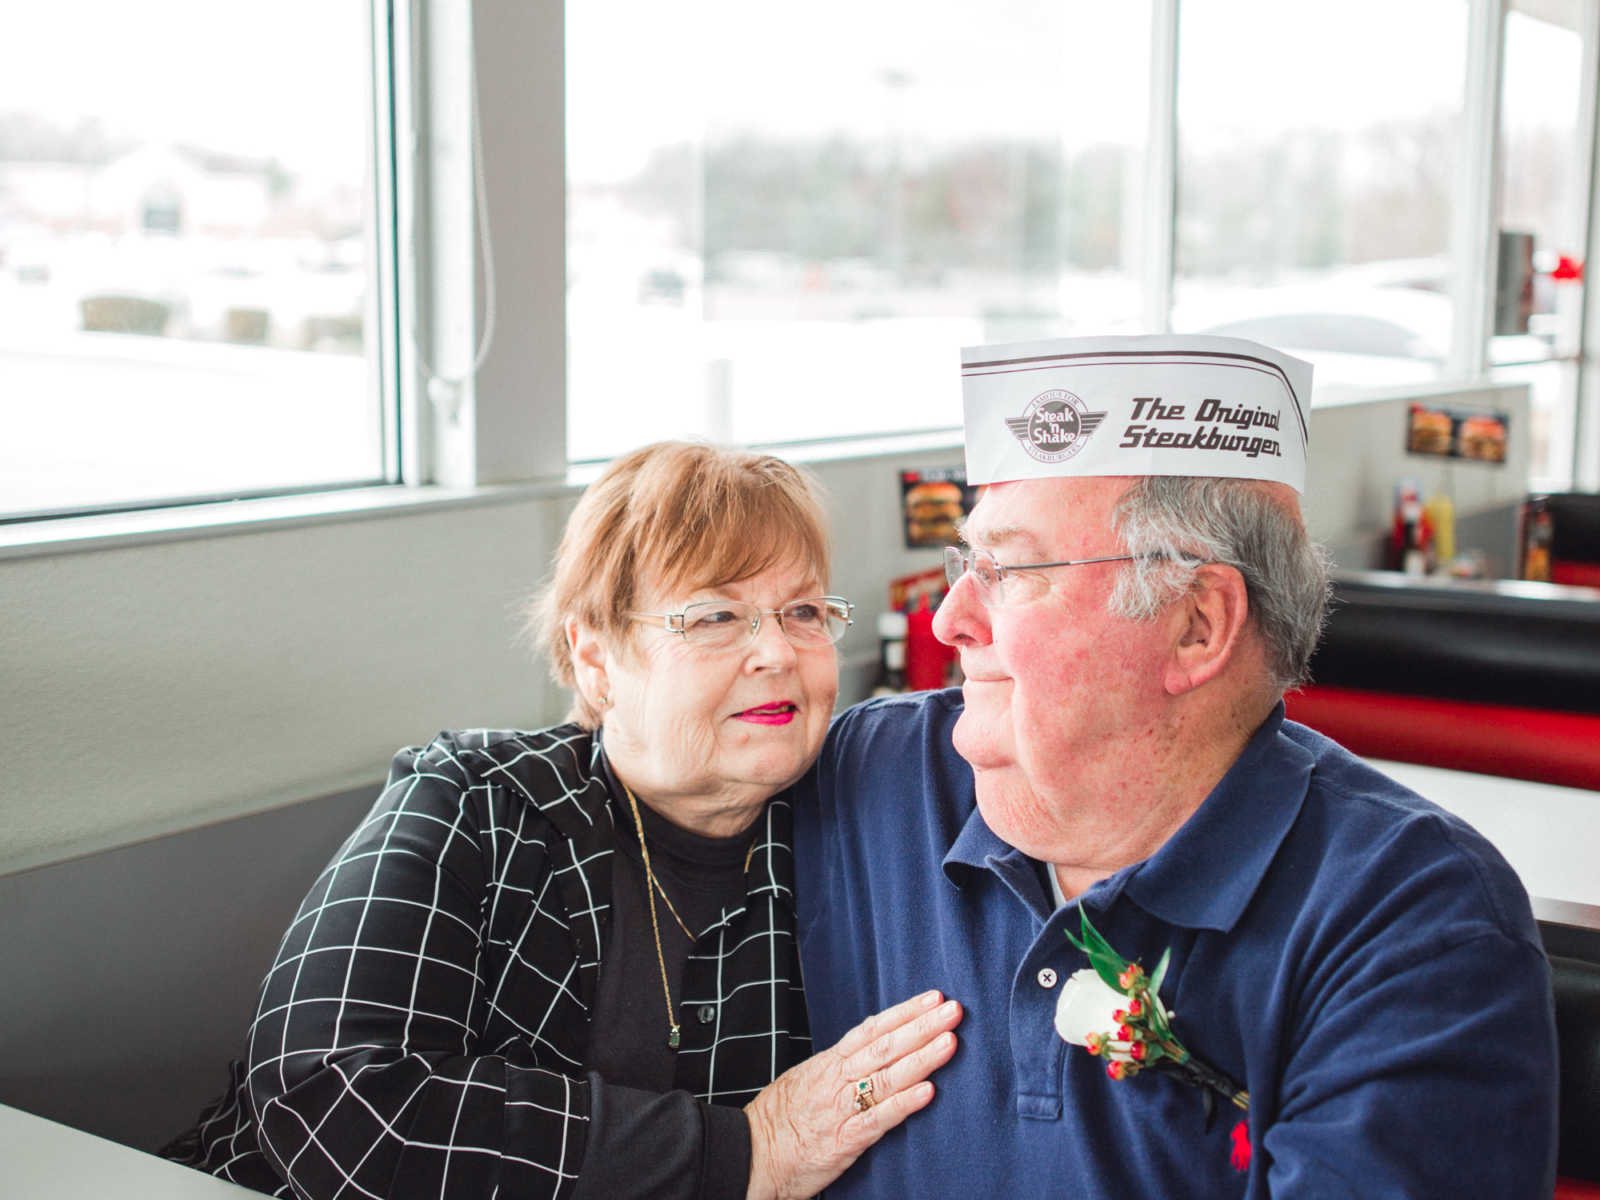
[(1162, 405)]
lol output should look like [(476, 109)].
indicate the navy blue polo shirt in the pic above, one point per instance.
[(1364, 963)]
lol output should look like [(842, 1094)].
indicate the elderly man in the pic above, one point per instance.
[(1354, 974)]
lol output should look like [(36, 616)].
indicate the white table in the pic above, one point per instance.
[(1550, 835), (41, 1160)]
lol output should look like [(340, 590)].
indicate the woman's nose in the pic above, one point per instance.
[(771, 646)]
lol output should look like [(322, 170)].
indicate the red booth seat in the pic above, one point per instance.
[(1491, 739), (1575, 574)]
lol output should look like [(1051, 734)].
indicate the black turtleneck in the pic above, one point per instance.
[(645, 1117), (701, 876)]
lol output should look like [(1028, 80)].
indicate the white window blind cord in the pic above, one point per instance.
[(444, 390)]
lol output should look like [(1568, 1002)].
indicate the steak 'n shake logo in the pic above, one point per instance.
[(1054, 426)]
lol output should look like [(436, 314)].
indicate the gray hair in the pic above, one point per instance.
[(1180, 522)]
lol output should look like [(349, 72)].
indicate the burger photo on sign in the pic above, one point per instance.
[(1483, 438), (932, 508), (1431, 431)]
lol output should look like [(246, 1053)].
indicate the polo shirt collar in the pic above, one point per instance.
[(1205, 874), (976, 848)]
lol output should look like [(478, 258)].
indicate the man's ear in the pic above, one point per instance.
[(1212, 619), (591, 661)]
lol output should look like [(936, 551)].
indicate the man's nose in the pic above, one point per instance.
[(962, 620)]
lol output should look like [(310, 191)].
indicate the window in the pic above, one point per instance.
[(187, 252), (784, 229), (771, 217), (1542, 223), (1316, 180), (777, 229)]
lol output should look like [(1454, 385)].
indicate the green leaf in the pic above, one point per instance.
[(1105, 968), (1107, 963), (1158, 1019), (1075, 941), (1092, 936), (1160, 972)]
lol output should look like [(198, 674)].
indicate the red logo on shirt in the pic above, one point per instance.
[(1240, 1158)]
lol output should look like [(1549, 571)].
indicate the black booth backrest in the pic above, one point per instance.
[(1577, 988), (1575, 527), (1463, 644)]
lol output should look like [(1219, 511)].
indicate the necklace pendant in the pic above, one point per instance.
[(672, 1039)]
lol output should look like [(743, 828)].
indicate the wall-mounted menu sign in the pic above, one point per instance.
[(934, 500), (1456, 433)]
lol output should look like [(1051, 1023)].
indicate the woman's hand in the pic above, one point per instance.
[(806, 1126)]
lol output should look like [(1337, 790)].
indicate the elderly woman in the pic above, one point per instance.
[(563, 963)]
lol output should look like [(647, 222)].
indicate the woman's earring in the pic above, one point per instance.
[(604, 701)]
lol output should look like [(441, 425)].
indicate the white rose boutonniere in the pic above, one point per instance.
[(1086, 1008), (1112, 1009)]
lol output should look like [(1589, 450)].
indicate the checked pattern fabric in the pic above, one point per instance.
[(422, 1031)]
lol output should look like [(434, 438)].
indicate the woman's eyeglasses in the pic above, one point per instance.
[(722, 624)]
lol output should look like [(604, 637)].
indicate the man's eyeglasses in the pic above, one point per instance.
[(1001, 583), (722, 624)]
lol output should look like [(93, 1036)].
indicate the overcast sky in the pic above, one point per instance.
[(286, 78), (289, 78)]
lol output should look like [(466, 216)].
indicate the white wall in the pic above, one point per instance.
[(165, 686), (1358, 453)]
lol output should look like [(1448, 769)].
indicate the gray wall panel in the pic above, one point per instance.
[(130, 976)]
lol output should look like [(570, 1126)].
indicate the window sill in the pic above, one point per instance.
[(67, 535), (1443, 391)]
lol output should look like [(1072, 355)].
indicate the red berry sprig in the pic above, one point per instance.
[(1143, 1037)]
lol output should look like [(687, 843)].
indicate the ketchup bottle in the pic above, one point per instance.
[(927, 658)]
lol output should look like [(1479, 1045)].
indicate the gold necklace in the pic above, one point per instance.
[(667, 900), (655, 926)]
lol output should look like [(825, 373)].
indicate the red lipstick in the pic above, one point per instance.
[(768, 714)]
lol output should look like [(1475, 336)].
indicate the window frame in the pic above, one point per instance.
[(505, 422), (380, 312)]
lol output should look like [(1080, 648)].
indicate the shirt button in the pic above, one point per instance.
[(706, 1013), (1046, 977)]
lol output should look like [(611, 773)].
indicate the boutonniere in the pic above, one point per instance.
[(1114, 1010)]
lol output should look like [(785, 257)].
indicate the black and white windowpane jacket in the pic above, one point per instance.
[(423, 1030)]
